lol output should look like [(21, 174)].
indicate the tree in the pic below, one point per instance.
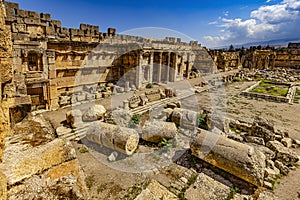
[(231, 48)]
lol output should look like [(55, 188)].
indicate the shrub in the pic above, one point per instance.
[(136, 119), (103, 89), (83, 150), (236, 79), (167, 144), (90, 180), (202, 121), (149, 85)]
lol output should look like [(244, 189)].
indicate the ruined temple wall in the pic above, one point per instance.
[(226, 60), (31, 34), (29, 25), (6, 76), (69, 60), (270, 59), (288, 58)]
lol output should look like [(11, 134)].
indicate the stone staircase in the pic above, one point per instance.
[(74, 134)]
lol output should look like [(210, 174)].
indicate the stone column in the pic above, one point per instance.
[(174, 69), (139, 71), (188, 66), (159, 68), (126, 105), (168, 68), (126, 86), (151, 67)]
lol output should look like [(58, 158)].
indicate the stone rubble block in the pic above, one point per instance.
[(206, 188), (271, 174), (266, 195), (256, 140), (156, 191), (94, 113), (262, 132), (62, 181), (74, 118), (156, 131), (19, 165), (283, 154), (236, 158), (270, 155), (185, 118), (268, 185), (121, 139), (287, 142), (283, 169)]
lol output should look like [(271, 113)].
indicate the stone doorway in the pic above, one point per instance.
[(37, 98)]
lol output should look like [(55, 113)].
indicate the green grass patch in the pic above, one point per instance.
[(136, 189), (233, 191), (192, 179), (266, 87)]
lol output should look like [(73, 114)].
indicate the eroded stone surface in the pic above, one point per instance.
[(156, 131), (207, 188), (156, 191), (236, 158), (283, 154), (94, 113), (63, 181), (265, 195), (35, 160)]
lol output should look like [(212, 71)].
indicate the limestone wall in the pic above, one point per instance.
[(6, 76), (55, 66)]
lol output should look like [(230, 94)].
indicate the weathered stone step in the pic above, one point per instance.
[(188, 177)]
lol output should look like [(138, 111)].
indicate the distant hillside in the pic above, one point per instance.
[(274, 43)]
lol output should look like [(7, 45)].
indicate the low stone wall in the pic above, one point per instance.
[(266, 97), (287, 99)]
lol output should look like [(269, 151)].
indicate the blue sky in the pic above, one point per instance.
[(212, 22)]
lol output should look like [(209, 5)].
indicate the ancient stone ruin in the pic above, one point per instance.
[(86, 114)]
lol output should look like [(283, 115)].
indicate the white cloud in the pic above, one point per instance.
[(213, 23), (274, 13), (268, 22), (294, 4), (268, 1), (226, 13)]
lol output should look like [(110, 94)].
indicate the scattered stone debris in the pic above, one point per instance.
[(273, 143), (38, 165), (96, 112)]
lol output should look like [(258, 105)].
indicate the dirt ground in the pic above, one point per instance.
[(107, 183)]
